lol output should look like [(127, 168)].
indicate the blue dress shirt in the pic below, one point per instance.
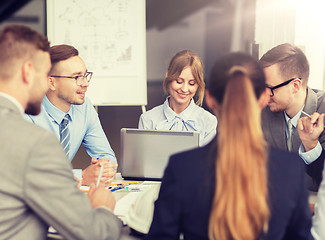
[(193, 118), (84, 128)]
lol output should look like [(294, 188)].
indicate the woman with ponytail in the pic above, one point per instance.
[(235, 188)]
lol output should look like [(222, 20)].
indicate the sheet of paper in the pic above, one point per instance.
[(124, 204)]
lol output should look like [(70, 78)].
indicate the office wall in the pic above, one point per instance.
[(32, 15), (114, 118), (192, 32), (206, 30), (296, 22)]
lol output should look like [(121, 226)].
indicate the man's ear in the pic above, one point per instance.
[(297, 84), (264, 98), (51, 83), (27, 73)]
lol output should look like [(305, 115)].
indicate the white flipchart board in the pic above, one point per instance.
[(111, 38)]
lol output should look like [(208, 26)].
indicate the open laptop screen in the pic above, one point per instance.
[(145, 153)]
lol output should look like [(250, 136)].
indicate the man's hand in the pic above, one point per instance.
[(90, 174), (101, 197), (309, 129)]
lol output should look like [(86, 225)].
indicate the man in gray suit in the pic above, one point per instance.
[(287, 71), (37, 188)]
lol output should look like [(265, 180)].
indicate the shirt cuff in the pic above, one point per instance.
[(77, 173), (111, 157), (311, 155)]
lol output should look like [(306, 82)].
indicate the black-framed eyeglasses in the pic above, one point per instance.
[(80, 79), (281, 85)]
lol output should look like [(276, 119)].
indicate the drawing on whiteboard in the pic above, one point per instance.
[(110, 36), (102, 31)]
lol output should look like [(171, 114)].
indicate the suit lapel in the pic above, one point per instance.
[(311, 102), (277, 130)]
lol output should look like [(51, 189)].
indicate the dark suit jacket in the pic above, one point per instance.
[(274, 130), (187, 191)]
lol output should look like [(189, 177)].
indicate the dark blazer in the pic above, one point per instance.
[(274, 130), (187, 191)]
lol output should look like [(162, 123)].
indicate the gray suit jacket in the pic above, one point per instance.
[(37, 188), (274, 130)]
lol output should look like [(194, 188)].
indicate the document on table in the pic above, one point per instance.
[(123, 205)]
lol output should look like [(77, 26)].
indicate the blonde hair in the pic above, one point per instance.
[(182, 59), (240, 206)]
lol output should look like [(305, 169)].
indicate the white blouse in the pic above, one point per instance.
[(193, 118)]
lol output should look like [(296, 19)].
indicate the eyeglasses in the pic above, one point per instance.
[(281, 85), (79, 79)]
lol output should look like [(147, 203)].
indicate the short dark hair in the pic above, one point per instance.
[(291, 60), (18, 42), (62, 52)]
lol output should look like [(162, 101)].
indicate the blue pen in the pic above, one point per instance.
[(115, 189)]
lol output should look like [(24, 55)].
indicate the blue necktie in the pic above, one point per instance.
[(65, 134)]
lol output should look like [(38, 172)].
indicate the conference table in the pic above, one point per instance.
[(125, 198), (125, 235)]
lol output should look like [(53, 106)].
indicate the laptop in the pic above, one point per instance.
[(145, 153)]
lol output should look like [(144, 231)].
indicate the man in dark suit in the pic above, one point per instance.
[(287, 71), (37, 188)]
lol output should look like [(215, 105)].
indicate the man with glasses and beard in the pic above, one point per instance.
[(287, 70), (72, 118)]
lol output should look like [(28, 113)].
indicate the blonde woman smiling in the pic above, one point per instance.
[(184, 81)]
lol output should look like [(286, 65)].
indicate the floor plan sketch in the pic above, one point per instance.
[(111, 38), (103, 32)]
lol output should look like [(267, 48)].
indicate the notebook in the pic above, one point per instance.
[(145, 153)]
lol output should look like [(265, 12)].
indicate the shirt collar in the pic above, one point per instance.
[(14, 101), (294, 120), (185, 115), (56, 114)]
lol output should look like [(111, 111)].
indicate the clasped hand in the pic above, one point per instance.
[(309, 129), (90, 174)]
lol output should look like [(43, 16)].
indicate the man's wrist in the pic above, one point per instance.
[(310, 145)]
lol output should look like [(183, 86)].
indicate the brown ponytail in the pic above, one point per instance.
[(240, 209)]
